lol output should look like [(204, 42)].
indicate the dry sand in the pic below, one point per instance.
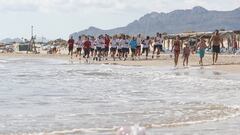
[(226, 63)]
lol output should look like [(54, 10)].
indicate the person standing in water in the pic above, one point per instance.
[(70, 46), (157, 45), (201, 46), (176, 47), (215, 42), (186, 54)]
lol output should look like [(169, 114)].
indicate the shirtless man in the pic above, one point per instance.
[(215, 42)]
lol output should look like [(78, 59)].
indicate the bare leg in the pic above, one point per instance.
[(175, 59), (184, 61), (153, 52), (177, 56), (213, 58), (216, 58)]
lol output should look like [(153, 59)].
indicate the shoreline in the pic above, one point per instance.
[(227, 63)]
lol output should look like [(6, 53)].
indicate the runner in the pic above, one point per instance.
[(93, 45), (70, 46), (133, 44), (98, 49), (201, 46), (119, 47), (157, 45), (113, 49), (125, 47), (86, 48), (79, 44), (186, 54), (107, 43), (215, 42), (176, 48), (146, 44), (103, 45), (138, 49)]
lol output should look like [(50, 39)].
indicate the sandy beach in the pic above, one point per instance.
[(226, 63)]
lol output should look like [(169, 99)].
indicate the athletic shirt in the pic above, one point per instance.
[(114, 43), (145, 43), (102, 42), (139, 41), (93, 44), (98, 44), (107, 42), (158, 41), (119, 46), (79, 44), (70, 42), (87, 44), (124, 43), (177, 45)]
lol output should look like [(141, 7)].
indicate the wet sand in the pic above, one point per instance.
[(226, 63)]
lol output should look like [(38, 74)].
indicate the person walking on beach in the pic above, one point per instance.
[(79, 44), (133, 44), (146, 44), (201, 46), (176, 47), (86, 48), (157, 45), (235, 44), (186, 54), (215, 42), (70, 46)]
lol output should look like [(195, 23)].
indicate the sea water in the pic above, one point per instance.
[(49, 96)]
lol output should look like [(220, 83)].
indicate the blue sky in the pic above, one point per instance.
[(59, 18)]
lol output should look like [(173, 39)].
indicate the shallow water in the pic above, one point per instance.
[(46, 96)]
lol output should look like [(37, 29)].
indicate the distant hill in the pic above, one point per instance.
[(196, 19)]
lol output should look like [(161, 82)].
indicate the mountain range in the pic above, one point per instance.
[(17, 40), (189, 20)]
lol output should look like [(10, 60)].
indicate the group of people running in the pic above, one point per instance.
[(121, 46), (118, 46)]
